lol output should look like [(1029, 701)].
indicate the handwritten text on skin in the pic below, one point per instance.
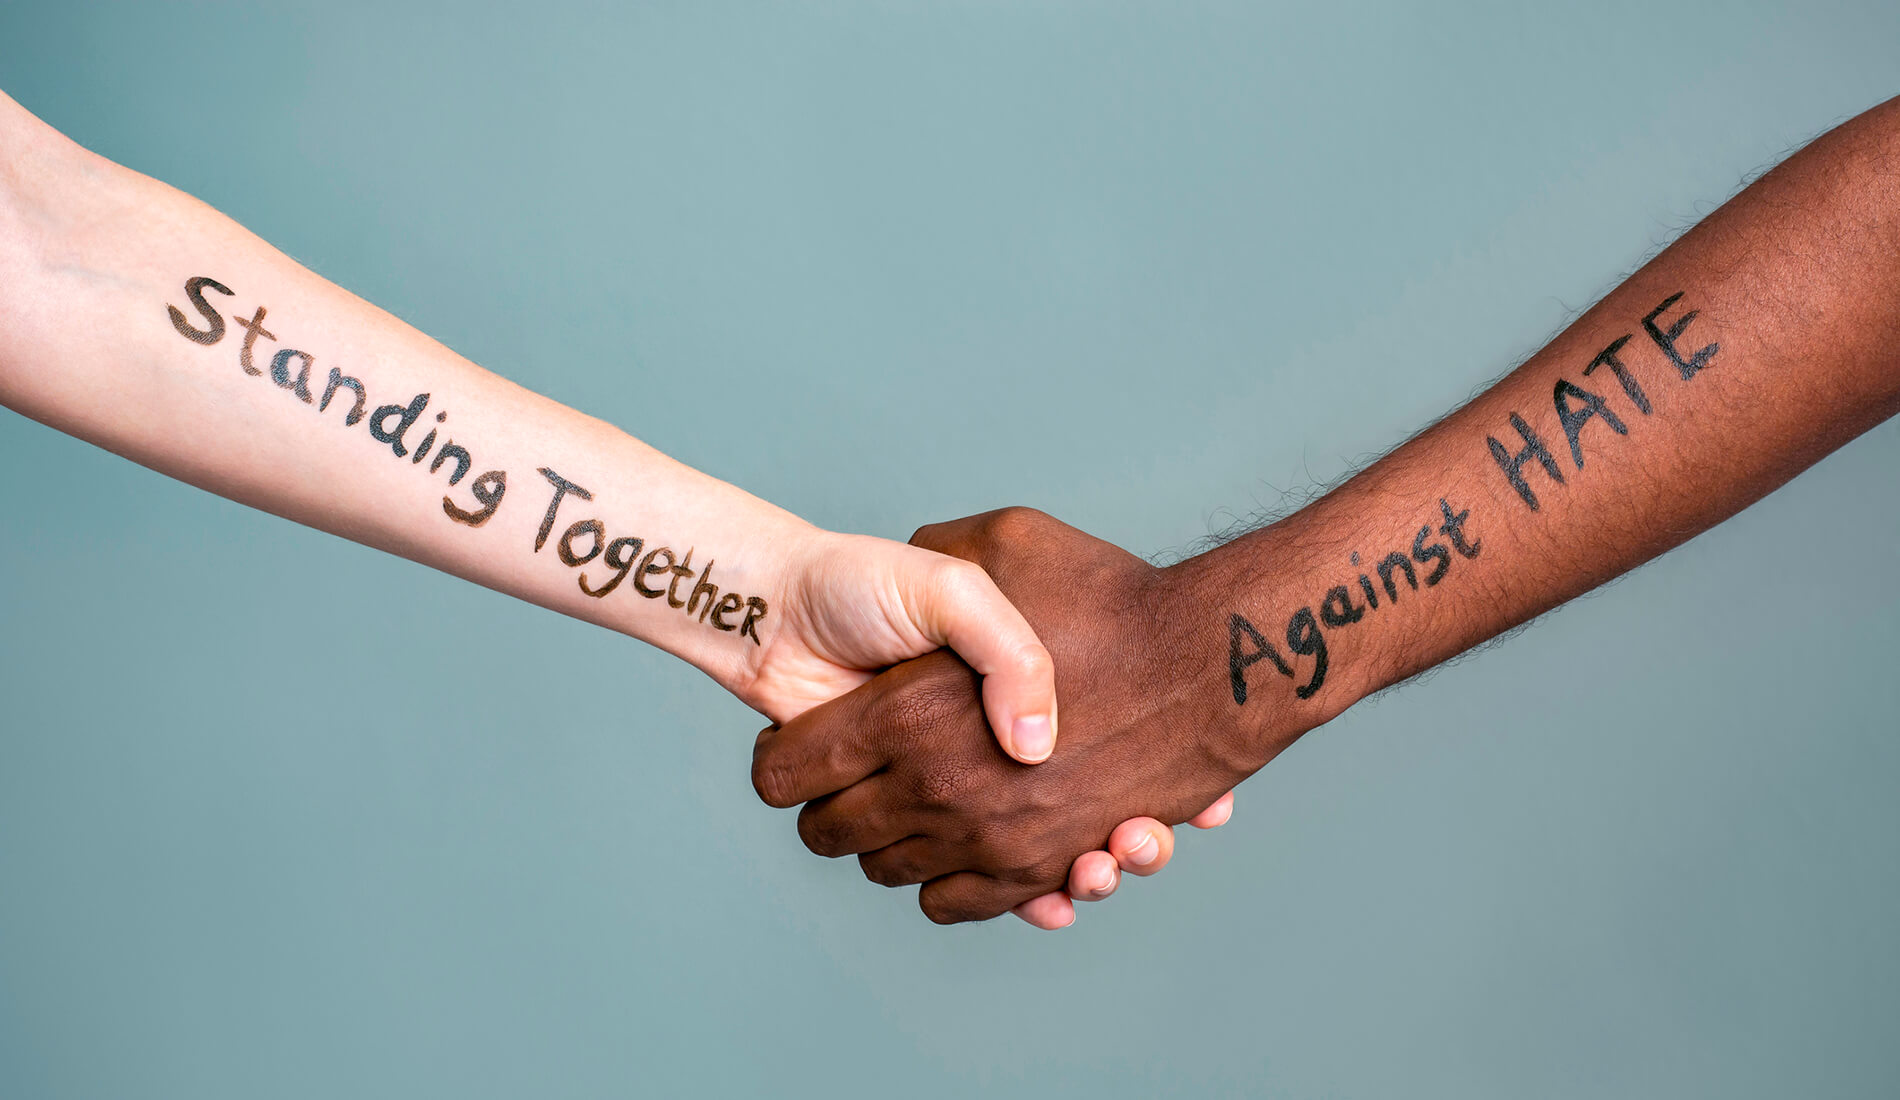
[(1574, 407), (582, 541)]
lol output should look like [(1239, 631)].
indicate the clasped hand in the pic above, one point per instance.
[(903, 773)]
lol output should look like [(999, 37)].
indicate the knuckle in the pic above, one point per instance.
[(1015, 522), (963, 583), (1044, 795), (1034, 662), (931, 713), (942, 784)]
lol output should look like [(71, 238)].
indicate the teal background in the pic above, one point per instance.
[(281, 816)]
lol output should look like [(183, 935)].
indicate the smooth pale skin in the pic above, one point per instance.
[(1797, 278), (91, 254)]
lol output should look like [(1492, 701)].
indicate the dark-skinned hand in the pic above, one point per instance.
[(903, 773)]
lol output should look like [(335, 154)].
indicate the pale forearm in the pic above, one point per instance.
[(1757, 344), (292, 395)]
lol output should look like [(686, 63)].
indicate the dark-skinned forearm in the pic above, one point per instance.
[(1761, 341), (1765, 338)]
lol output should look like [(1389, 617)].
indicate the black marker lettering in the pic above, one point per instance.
[(390, 424), (1422, 553), (1513, 465), (681, 572), (280, 372), (1689, 367), (339, 380), (1607, 358), (1337, 608), (562, 487), (754, 611), (406, 415), (651, 568), (195, 291), (1392, 562), (253, 328), (728, 603), (1575, 407), (1238, 660), (488, 489), (450, 450), (1303, 637), (1454, 529), (1575, 418), (620, 555), (565, 547), (705, 588)]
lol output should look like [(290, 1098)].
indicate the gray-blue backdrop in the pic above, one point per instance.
[(281, 816)]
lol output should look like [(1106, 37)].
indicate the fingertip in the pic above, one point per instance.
[(1019, 677), (1216, 815), (1093, 876), (1050, 912), (1141, 846), (1024, 723)]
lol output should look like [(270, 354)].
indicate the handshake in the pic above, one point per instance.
[(903, 773), (1743, 353)]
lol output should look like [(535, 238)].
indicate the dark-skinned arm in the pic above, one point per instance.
[(1765, 338)]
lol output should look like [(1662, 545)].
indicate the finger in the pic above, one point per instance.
[(1141, 845), (1216, 815), (1093, 876), (856, 819), (969, 896), (1050, 912), (825, 749), (909, 861), (950, 536), (958, 605)]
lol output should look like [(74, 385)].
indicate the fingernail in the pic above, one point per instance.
[(1034, 737), (1104, 888), (1141, 855)]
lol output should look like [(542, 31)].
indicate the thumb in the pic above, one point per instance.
[(959, 606)]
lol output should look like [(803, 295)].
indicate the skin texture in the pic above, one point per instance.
[(1765, 338)]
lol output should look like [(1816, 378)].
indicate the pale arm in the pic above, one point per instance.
[(137, 318)]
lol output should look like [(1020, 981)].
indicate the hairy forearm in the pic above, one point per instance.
[(142, 320), (1761, 341)]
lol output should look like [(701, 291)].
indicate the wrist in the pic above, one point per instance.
[(1273, 622), (777, 554), (714, 585)]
